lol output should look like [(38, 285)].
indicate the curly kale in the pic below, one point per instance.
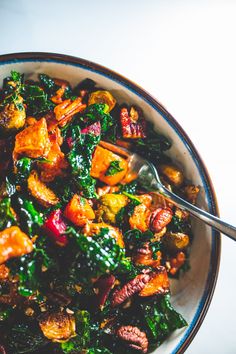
[(80, 159), (7, 218), (161, 319)]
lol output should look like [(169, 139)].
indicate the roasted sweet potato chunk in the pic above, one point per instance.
[(57, 161), (58, 326), (14, 243), (79, 211), (140, 218), (144, 256), (158, 284), (101, 163), (33, 141), (91, 229), (11, 117), (40, 191)]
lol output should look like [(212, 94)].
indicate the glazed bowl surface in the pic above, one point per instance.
[(192, 293)]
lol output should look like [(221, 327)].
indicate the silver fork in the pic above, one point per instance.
[(149, 179)]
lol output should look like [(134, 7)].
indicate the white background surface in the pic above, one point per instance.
[(182, 52)]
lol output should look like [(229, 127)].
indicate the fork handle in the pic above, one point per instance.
[(203, 215)]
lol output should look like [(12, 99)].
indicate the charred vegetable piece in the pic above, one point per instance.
[(14, 243), (173, 174), (44, 196), (55, 228), (12, 117), (158, 283), (133, 126), (104, 97), (103, 287), (191, 193), (79, 211), (101, 163), (109, 206), (58, 326), (91, 229), (176, 241), (33, 141)]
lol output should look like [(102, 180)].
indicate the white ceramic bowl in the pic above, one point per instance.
[(191, 295)]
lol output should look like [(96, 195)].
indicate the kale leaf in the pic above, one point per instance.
[(80, 159), (161, 318), (81, 340), (48, 84), (130, 188), (31, 219), (36, 100), (98, 255), (25, 338), (23, 166), (94, 113), (7, 218), (114, 168), (153, 146)]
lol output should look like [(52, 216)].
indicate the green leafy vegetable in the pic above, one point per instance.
[(114, 168), (48, 84), (98, 255), (31, 219), (161, 318), (23, 166), (81, 340), (94, 113), (80, 159), (7, 218), (26, 338), (130, 188), (36, 100)]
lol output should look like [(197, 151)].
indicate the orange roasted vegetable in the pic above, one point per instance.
[(33, 141), (57, 98), (65, 110), (4, 272), (44, 195), (140, 218), (79, 211), (14, 243), (158, 284), (58, 326), (101, 163), (57, 161), (91, 229), (144, 256), (102, 97)]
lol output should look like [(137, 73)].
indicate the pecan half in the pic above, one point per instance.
[(129, 289), (2, 350), (133, 337), (160, 218)]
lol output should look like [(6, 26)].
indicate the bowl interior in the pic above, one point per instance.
[(192, 292)]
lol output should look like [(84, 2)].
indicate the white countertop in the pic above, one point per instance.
[(182, 52)]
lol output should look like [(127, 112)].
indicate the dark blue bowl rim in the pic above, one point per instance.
[(211, 196)]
